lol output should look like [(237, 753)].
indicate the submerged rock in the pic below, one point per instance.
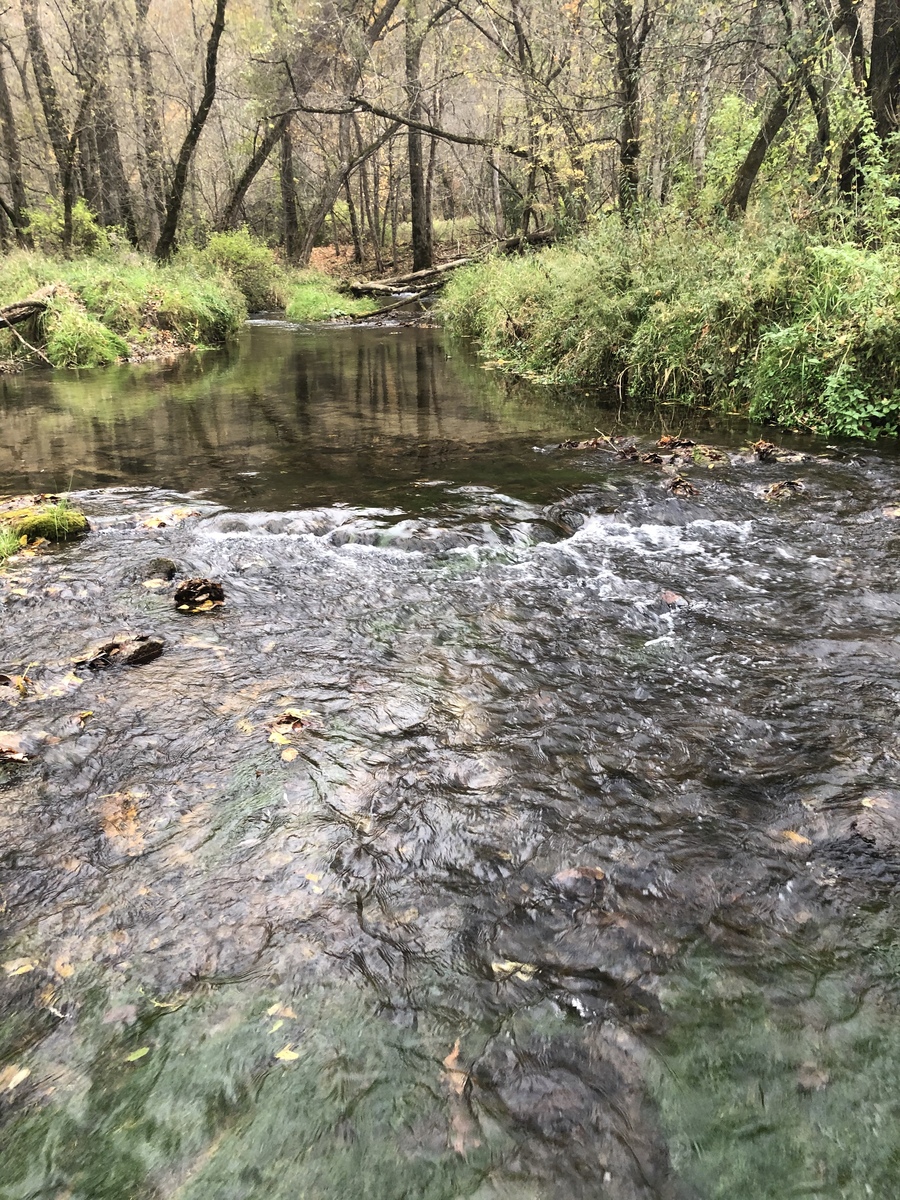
[(124, 650)]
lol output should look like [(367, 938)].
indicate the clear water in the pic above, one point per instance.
[(345, 964)]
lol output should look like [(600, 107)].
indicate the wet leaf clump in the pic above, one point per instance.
[(199, 595)]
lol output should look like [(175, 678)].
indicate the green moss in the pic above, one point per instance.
[(314, 297), (53, 522)]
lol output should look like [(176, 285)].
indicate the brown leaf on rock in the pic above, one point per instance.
[(199, 595), (784, 487), (668, 442), (764, 451), (682, 487)]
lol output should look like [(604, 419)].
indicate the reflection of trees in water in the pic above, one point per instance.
[(280, 401)]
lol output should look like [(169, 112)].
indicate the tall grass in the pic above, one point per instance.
[(9, 544), (102, 306), (790, 329), (314, 297)]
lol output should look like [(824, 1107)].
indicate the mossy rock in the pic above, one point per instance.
[(54, 523)]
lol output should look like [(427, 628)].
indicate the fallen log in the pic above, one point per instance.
[(434, 276), (540, 237), (22, 310), (379, 312), (367, 287)]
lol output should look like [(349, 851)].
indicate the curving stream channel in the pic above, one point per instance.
[(574, 873)]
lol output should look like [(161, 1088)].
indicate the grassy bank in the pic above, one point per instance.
[(111, 304), (792, 330)]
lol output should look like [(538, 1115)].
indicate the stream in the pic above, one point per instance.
[(573, 872)]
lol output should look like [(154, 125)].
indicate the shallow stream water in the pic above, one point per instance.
[(370, 953)]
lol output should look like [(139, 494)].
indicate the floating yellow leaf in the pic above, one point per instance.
[(872, 802), (289, 754), (281, 1010), (796, 838), (244, 726), (278, 1024), (12, 1076), (64, 968), (136, 1054), (19, 966), (286, 1054), (278, 737), (153, 584), (508, 968)]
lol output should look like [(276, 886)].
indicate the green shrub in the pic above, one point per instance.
[(314, 297), (250, 265), (46, 227)]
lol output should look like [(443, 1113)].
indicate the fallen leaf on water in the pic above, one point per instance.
[(508, 968), (456, 1077), (463, 1130), (286, 725), (136, 1054), (119, 814), (278, 1024), (289, 754), (873, 802), (19, 966), (286, 1054), (244, 726), (66, 683), (153, 584), (892, 510), (17, 683), (811, 1078), (12, 1076), (169, 516), (796, 838), (64, 968), (11, 747), (281, 1010)]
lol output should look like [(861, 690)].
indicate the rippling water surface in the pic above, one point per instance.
[(371, 954)]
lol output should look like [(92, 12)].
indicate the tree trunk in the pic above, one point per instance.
[(43, 77), (735, 199), (289, 197), (629, 47), (704, 98), (884, 67), (423, 254), (18, 214), (166, 243), (354, 223), (273, 132), (151, 130)]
